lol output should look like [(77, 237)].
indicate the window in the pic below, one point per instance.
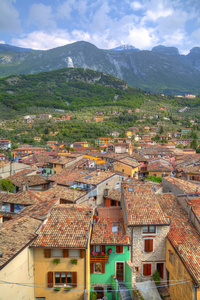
[(74, 253), (114, 229), (148, 245), (147, 269), (119, 249), (63, 278), (149, 229), (171, 257), (98, 267), (57, 253)]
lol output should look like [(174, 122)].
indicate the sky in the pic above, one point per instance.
[(144, 24)]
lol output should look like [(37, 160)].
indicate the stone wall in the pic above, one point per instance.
[(140, 257)]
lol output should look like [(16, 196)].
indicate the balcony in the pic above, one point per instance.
[(99, 258)]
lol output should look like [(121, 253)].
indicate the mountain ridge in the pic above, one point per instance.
[(161, 70)]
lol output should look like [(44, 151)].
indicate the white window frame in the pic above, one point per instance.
[(149, 233), (57, 252)]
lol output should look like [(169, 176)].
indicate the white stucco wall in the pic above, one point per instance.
[(18, 270)]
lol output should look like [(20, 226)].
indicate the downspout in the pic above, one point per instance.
[(85, 269), (132, 244), (195, 292)]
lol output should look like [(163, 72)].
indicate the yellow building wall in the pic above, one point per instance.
[(177, 273), (57, 168), (158, 173), (96, 159), (126, 169), (18, 270), (44, 265)]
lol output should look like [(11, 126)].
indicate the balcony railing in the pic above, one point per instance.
[(99, 258)]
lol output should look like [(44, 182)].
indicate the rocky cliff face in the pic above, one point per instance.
[(161, 70)]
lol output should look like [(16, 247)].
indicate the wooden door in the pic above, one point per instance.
[(120, 271), (160, 268), (100, 292)]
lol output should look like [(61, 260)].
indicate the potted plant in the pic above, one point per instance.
[(56, 261), (57, 288), (67, 288), (74, 261)]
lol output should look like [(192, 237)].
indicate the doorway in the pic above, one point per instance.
[(120, 271)]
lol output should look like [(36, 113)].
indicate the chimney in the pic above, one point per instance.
[(1, 219), (23, 186), (179, 245), (168, 219), (98, 172)]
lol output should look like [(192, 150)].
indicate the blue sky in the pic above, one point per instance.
[(46, 24)]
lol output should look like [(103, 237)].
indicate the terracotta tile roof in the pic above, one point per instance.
[(67, 227), (195, 206), (68, 176), (31, 180), (95, 179), (192, 169), (157, 166), (142, 207), (181, 230), (61, 160), (186, 186), (62, 192), (102, 229), (23, 198), (114, 195), (129, 161), (15, 235)]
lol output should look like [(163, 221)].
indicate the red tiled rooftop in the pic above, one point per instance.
[(181, 230), (102, 229), (142, 207), (67, 227)]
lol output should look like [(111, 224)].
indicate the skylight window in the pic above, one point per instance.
[(130, 189), (129, 179), (114, 229), (88, 177)]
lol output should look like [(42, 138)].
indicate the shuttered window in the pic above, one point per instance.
[(62, 278), (119, 249), (148, 245), (147, 269), (65, 253), (81, 253), (50, 279), (47, 253)]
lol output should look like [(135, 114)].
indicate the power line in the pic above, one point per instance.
[(47, 288)]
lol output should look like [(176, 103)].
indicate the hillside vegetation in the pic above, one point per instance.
[(73, 89)]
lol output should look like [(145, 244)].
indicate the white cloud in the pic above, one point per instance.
[(64, 10), (2, 42), (136, 5), (9, 17), (39, 40), (41, 15)]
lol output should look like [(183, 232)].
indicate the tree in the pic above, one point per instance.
[(6, 185), (194, 144)]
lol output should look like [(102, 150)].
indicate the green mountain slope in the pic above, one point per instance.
[(161, 70), (73, 89)]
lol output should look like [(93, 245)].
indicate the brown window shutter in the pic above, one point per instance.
[(65, 252), (47, 253), (150, 245), (103, 248), (107, 202), (117, 249), (82, 253), (91, 268), (12, 207), (121, 249), (50, 279), (91, 248), (74, 279), (145, 269), (102, 267), (149, 269)]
